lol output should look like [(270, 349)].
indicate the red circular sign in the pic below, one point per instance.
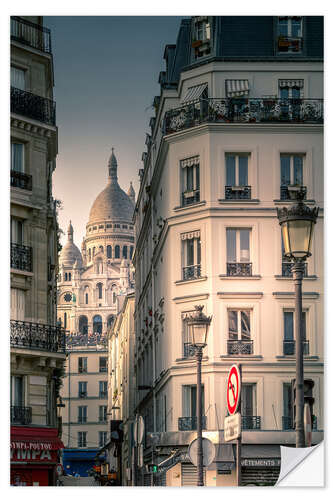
[(233, 389)]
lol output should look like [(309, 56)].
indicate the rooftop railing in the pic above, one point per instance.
[(27, 335), (31, 34), (32, 106)]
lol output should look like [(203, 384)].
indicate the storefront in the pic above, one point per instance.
[(34, 455)]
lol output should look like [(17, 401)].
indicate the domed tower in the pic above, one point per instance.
[(110, 232), (69, 254), (131, 193)]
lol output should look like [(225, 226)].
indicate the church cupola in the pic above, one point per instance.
[(131, 193), (112, 165)]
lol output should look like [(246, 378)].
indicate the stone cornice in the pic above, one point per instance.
[(32, 126)]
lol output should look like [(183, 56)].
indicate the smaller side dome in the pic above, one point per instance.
[(70, 252), (131, 193)]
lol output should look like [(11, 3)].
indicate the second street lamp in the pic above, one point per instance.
[(297, 223), (198, 325)]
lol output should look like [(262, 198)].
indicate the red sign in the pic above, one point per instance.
[(25, 455), (233, 389)]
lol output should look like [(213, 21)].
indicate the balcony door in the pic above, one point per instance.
[(249, 400), (17, 304)]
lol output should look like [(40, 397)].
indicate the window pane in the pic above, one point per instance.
[(189, 179), (288, 325), (243, 162), (17, 157), (247, 400), (197, 177), (232, 320), (231, 245), (285, 170), (245, 325), (190, 252), (231, 172), (287, 405), (283, 27), (296, 93), (296, 30), (284, 93), (17, 78), (298, 170), (244, 237), (198, 251)]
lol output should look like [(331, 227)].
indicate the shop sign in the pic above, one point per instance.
[(30, 445), (33, 455), (261, 462)]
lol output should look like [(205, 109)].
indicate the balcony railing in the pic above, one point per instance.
[(250, 110), (191, 272), (190, 423), (83, 394), (20, 180), (240, 346), (290, 192), (20, 257), (189, 350), (30, 34), (289, 347), (32, 106), (190, 197), (28, 335), (20, 415), (287, 269), (251, 422), (237, 192), (239, 268)]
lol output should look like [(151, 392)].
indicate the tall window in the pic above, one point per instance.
[(190, 173), (65, 320), (100, 290), (102, 438), (82, 414), (239, 326), (16, 231), (17, 304), (188, 421), (17, 77), (102, 416), (288, 335), (238, 252), (290, 34), (109, 252), (191, 255), (17, 157), (82, 439), (125, 252), (17, 390), (82, 365), (287, 407), (291, 170), (249, 407), (131, 251), (89, 251), (103, 364), (188, 350), (103, 389), (86, 297), (82, 389), (117, 252), (237, 169)]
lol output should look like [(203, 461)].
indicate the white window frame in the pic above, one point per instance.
[(292, 166), (289, 21), (239, 323), (237, 156), (82, 439), (238, 229)]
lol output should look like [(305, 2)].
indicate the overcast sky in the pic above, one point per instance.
[(106, 75)]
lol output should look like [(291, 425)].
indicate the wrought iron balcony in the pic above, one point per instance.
[(20, 415), (83, 394), (190, 197), (20, 180), (32, 106), (239, 268), (191, 272), (30, 34), (240, 346), (289, 347), (189, 350), (290, 192), (26, 335), (190, 423), (251, 422), (247, 110), (20, 257), (237, 192), (287, 269)]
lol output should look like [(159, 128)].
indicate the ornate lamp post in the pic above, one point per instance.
[(297, 223), (198, 325)]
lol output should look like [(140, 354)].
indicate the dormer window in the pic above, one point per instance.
[(201, 37), (290, 34), (202, 29)]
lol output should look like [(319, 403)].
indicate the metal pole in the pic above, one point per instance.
[(298, 269), (239, 439), (199, 418)]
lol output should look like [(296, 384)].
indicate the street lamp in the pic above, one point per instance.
[(198, 325), (297, 223)]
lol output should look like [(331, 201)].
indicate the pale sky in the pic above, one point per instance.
[(106, 76)]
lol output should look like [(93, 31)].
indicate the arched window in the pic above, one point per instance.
[(114, 297), (100, 290), (86, 298), (101, 248), (97, 324), (83, 324), (65, 276), (89, 254), (131, 251), (125, 251), (109, 252), (69, 277), (117, 252), (65, 320)]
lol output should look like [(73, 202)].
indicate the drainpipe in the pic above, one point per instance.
[(153, 310)]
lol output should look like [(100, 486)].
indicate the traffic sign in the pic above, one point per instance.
[(307, 425), (232, 427), (233, 389), (208, 450), (138, 429)]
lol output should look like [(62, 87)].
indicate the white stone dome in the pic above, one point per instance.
[(70, 252)]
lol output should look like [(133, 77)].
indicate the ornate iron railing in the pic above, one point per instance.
[(28, 335), (237, 192), (190, 197), (32, 106), (20, 180), (20, 257), (188, 350), (240, 346), (30, 34), (290, 192), (251, 422), (239, 268), (290, 345), (248, 110), (287, 269), (20, 415), (190, 423), (191, 272)]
